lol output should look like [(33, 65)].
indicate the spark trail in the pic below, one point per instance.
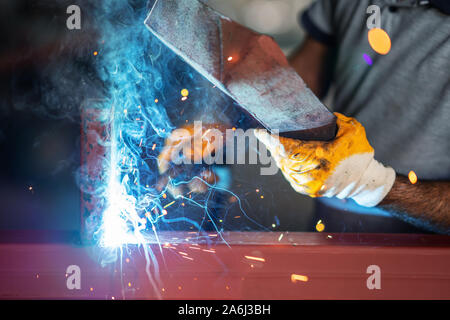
[(134, 71)]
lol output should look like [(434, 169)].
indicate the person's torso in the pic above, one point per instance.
[(402, 98)]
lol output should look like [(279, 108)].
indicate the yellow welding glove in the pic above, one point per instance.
[(344, 167)]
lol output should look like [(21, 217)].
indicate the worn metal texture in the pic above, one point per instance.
[(249, 67)]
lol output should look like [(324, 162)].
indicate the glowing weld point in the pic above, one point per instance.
[(129, 284), (91, 289), (255, 258), (95, 53), (164, 212), (156, 100), (412, 177), (183, 98), (230, 58), (154, 146), (298, 277), (280, 237)]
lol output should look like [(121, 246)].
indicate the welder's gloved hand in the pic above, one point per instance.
[(342, 168), (189, 146)]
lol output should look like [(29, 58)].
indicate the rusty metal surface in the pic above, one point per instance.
[(249, 67), (333, 271)]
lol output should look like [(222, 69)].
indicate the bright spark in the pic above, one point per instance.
[(169, 204)]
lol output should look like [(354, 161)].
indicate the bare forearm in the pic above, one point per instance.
[(309, 61), (424, 204)]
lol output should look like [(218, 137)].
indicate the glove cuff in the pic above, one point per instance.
[(374, 185)]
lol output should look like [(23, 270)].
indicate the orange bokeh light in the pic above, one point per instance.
[(379, 41), (255, 258)]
